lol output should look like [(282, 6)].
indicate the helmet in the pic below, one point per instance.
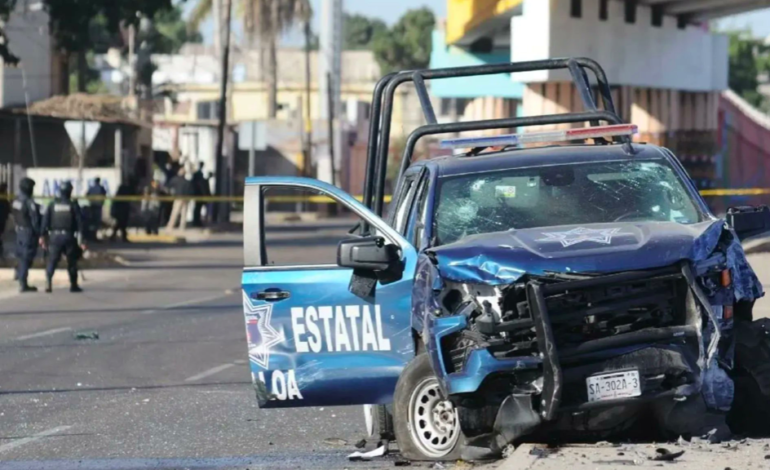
[(66, 189), (26, 185)]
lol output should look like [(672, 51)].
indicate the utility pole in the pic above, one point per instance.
[(132, 62), (220, 173), (216, 12), (330, 97), (329, 78), (308, 143)]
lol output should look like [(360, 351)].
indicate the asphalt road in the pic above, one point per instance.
[(167, 383)]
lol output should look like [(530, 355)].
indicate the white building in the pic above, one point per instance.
[(27, 30)]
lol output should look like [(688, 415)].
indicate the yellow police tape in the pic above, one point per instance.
[(736, 192), (329, 200)]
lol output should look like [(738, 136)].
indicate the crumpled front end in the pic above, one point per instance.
[(518, 355)]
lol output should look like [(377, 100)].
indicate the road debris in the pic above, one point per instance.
[(360, 444), (379, 451), (666, 455), (402, 463), (85, 334)]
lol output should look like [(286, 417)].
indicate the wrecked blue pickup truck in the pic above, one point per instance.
[(579, 289)]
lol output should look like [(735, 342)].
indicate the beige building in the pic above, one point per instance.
[(196, 98)]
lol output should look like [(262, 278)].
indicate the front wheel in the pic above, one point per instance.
[(426, 423)]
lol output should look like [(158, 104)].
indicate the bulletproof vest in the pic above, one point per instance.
[(21, 213), (62, 217)]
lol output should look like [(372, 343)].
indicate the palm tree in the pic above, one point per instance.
[(266, 20)]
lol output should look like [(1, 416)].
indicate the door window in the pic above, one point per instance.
[(304, 227)]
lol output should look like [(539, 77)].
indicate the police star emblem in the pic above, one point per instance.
[(260, 333), (580, 235)]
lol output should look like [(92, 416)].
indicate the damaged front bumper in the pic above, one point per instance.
[(669, 358)]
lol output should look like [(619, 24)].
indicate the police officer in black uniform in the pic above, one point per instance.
[(63, 226), (26, 216)]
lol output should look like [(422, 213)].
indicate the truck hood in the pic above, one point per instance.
[(503, 257)]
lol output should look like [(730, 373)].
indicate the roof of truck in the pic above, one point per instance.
[(540, 156)]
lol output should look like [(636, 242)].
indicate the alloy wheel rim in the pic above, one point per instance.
[(432, 420)]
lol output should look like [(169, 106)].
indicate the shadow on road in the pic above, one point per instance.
[(125, 388), (195, 308)]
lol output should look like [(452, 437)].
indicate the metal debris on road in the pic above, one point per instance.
[(666, 455), (86, 334), (379, 451)]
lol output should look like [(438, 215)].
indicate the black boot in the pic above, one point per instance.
[(49, 286), (27, 288), (75, 288)]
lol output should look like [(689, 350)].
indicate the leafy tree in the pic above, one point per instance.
[(6, 7), (169, 32), (266, 20), (749, 58), (74, 21), (408, 44), (359, 31)]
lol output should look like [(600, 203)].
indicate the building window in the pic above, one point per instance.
[(630, 8), (208, 110), (453, 106), (576, 9), (657, 15), (604, 10)]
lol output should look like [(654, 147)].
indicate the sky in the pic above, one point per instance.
[(391, 10)]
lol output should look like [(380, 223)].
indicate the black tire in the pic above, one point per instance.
[(383, 422), (414, 381), (750, 412)]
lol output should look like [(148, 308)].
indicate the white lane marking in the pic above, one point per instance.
[(206, 373), (33, 438), (43, 333), (185, 303)]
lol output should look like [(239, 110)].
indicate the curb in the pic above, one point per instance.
[(760, 245), (171, 239)]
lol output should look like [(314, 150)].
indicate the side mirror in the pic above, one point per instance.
[(749, 221), (369, 253)]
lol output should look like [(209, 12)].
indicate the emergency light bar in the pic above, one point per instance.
[(619, 130)]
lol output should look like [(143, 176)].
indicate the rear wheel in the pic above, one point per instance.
[(426, 423), (750, 412), (379, 421)]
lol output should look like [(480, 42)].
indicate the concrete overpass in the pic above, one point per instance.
[(668, 71), (470, 21), (704, 10)]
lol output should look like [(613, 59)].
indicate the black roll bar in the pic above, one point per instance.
[(432, 129), (384, 92)]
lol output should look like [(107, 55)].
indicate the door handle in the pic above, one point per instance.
[(271, 295)]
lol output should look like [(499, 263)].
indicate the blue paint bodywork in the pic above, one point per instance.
[(333, 375)]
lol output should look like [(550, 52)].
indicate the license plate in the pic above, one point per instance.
[(614, 385)]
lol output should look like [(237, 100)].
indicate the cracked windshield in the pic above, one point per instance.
[(574, 194)]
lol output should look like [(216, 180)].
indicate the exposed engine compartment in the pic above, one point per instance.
[(578, 326), (500, 318)]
